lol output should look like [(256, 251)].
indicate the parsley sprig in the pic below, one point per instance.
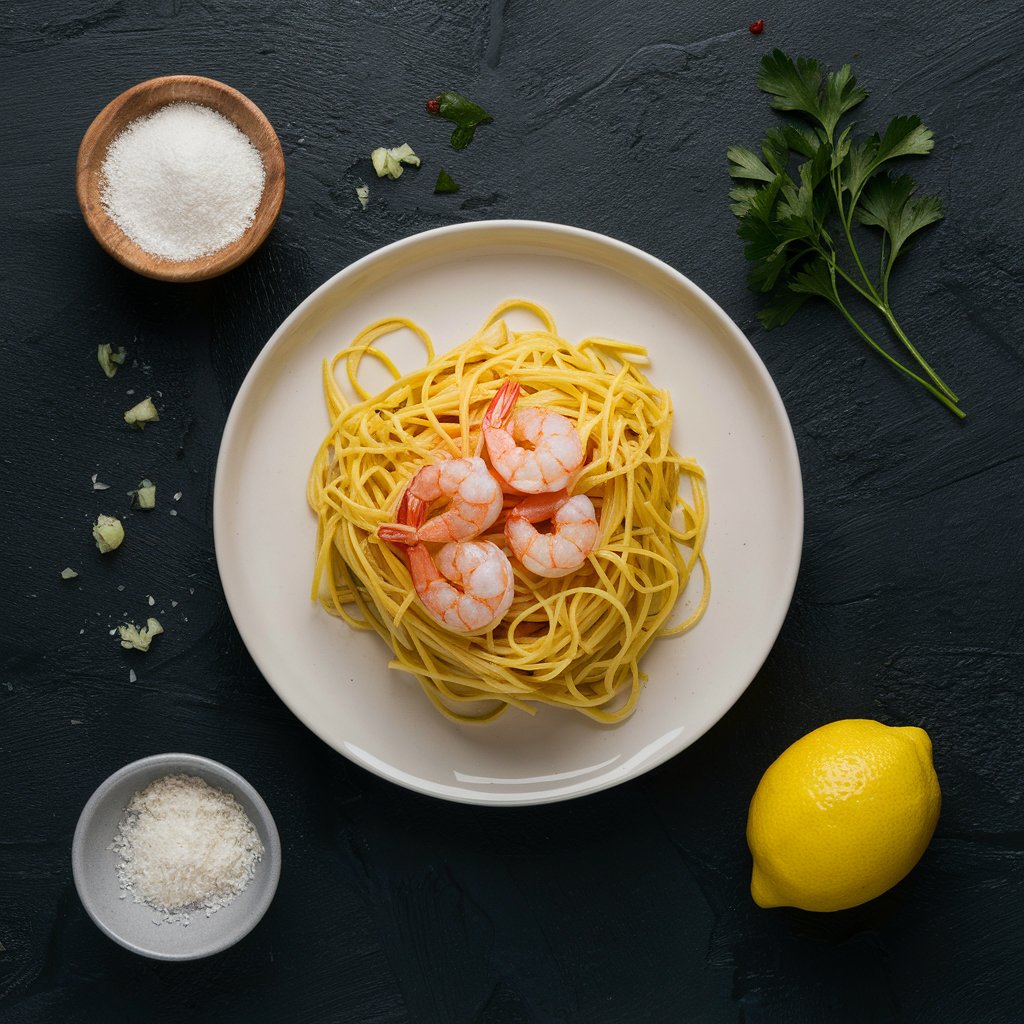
[(800, 230)]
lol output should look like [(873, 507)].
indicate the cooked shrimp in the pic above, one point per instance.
[(533, 450), (470, 586), (475, 499), (573, 535)]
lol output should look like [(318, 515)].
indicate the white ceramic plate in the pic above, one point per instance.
[(728, 415)]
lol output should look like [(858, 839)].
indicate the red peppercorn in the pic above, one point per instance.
[(757, 27), (433, 106)]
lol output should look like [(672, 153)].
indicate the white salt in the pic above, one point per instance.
[(182, 182), (184, 846)]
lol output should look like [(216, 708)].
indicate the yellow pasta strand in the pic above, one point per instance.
[(574, 642)]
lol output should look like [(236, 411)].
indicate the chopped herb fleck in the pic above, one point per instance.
[(445, 183), (464, 114)]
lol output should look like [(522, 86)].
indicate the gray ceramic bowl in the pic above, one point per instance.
[(130, 923)]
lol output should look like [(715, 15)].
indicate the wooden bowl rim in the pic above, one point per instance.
[(115, 242)]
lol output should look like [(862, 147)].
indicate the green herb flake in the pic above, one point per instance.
[(445, 183), (466, 115), (799, 230)]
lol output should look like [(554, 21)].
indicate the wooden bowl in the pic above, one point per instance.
[(143, 99)]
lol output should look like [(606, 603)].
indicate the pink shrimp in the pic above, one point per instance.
[(533, 450), (566, 547), (475, 500), (469, 587)]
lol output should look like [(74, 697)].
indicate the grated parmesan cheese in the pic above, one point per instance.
[(185, 846)]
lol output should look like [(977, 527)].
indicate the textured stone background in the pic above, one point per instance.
[(631, 905)]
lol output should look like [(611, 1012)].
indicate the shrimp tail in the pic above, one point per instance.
[(421, 568), (536, 508), (412, 510), (409, 518), (499, 412), (398, 533), (402, 513)]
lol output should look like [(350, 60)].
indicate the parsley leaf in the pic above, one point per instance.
[(841, 95), (797, 87), (741, 197), (798, 226), (464, 114), (905, 136), (816, 278), (792, 86), (887, 204), (801, 139), (780, 308), (745, 164)]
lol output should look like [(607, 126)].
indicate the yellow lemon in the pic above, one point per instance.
[(842, 815)]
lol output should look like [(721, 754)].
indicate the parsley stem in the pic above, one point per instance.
[(880, 301), (883, 271), (885, 309), (853, 284), (846, 219), (890, 317), (944, 399), (860, 266)]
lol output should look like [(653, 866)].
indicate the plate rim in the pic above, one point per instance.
[(232, 425)]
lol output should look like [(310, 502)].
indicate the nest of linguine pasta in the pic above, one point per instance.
[(575, 641)]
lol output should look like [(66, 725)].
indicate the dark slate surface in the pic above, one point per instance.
[(631, 905)]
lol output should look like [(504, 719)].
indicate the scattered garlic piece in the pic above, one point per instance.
[(110, 359), (108, 533), (141, 414), (388, 162), (144, 496), (139, 639)]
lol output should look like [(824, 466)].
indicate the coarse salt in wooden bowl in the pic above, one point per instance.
[(145, 99)]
